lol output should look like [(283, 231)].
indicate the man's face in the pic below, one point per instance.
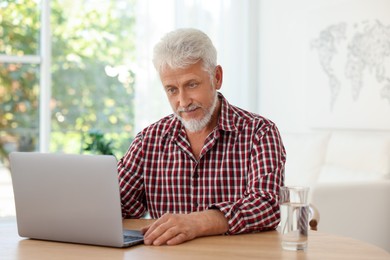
[(192, 94)]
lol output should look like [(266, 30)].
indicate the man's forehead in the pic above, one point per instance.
[(179, 78), (170, 75)]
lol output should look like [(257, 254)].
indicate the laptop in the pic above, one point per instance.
[(69, 198)]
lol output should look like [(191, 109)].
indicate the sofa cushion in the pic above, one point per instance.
[(356, 156), (305, 156), (360, 210)]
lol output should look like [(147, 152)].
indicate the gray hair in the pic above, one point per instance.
[(184, 47)]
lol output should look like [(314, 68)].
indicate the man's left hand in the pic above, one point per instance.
[(173, 229)]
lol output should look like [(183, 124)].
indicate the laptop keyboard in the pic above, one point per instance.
[(129, 239), (132, 235)]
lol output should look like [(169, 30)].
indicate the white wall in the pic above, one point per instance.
[(283, 76), (281, 71)]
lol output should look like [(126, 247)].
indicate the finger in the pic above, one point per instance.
[(154, 232), (145, 229), (166, 236), (157, 225), (165, 220), (180, 238)]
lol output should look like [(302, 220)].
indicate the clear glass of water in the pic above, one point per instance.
[(294, 212)]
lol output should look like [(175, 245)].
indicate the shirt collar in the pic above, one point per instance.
[(226, 118)]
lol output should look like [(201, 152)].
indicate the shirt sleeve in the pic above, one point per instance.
[(258, 209), (131, 180)]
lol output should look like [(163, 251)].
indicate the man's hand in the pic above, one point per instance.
[(173, 229)]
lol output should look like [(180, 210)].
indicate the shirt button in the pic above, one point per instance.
[(195, 176)]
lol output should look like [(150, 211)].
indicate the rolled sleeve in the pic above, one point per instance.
[(258, 209)]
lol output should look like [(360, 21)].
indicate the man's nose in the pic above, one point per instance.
[(184, 99)]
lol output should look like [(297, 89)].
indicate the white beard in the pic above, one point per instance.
[(195, 125)]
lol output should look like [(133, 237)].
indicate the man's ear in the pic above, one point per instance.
[(218, 76)]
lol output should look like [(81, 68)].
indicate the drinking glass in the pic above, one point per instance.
[(294, 211)]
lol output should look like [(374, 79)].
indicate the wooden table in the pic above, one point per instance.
[(265, 245)]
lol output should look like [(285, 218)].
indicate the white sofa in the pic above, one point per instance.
[(349, 176)]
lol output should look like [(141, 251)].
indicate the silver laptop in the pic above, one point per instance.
[(69, 198)]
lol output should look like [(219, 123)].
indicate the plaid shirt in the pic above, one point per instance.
[(239, 171)]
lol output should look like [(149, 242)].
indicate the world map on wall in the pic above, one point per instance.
[(365, 47)]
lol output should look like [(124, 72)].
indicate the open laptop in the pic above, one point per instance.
[(69, 198)]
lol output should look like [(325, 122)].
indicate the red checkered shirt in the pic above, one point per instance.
[(239, 171)]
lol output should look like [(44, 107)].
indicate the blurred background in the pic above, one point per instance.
[(77, 77)]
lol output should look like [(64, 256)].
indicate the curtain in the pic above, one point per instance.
[(233, 27)]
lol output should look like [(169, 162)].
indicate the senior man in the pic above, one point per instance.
[(210, 167)]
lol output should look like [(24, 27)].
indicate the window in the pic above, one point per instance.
[(19, 76), (66, 79), (92, 81)]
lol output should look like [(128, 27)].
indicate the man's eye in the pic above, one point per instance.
[(171, 91), (193, 85)]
